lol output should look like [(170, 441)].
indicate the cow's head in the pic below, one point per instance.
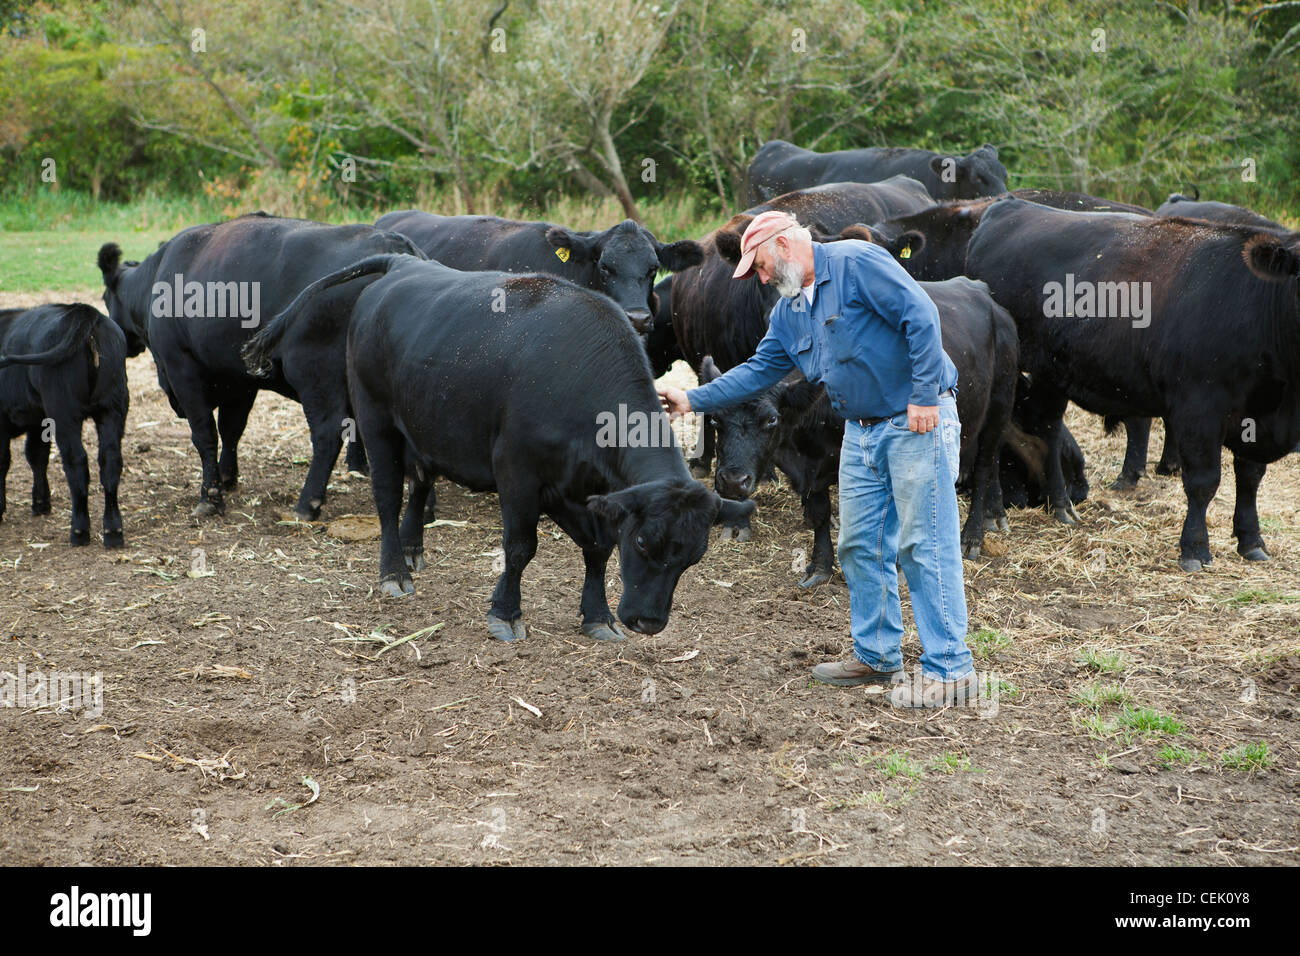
[(114, 271), (622, 262), (662, 528), (977, 174)]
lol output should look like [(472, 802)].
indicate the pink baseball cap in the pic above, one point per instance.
[(762, 228)]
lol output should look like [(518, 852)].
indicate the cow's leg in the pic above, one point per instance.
[(598, 621), (5, 438), (1138, 432), (1058, 497), (232, 418), (519, 514), (387, 470), (995, 508), (701, 465), (326, 426), (38, 457), (356, 456), (76, 469), (419, 502), (1202, 460), (109, 427), (1169, 463), (985, 490), (1245, 517), (817, 515), (190, 398)]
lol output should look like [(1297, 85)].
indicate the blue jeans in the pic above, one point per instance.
[(898, 508)]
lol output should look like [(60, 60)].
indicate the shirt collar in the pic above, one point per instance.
[(821, 272)]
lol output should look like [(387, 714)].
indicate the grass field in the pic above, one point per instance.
[(48, 241)]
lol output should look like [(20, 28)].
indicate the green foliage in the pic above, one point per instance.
[(433, 106)]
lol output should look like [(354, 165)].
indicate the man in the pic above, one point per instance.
[(852, 319)]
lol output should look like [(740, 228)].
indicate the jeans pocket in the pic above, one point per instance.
[(950, 432)]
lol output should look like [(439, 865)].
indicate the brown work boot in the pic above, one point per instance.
[(853, 672), (926, 692)]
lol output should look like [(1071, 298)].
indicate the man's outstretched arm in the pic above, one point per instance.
[(768, 365)]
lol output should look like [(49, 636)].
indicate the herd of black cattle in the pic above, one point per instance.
[(485, 351)]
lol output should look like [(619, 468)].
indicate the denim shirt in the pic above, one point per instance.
[(871, 337)]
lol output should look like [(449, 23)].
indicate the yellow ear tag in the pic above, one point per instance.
[(906, 253), (563, 253)]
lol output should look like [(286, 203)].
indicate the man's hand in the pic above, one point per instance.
[(677, 404), (922, 418)]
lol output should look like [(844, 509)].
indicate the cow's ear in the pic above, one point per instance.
[(861, 231), (110, 263), (937, 163), (571, 246), (1271, 258), (730, 512), (708, 370), (676, 256), (728, 244), (613, 507), (654, 302), (797, 396), (990, 149), (907, 245)]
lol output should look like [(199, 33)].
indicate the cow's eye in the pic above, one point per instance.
[(640, 543), (772, 422), (606, 269)]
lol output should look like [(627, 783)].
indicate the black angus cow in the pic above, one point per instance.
[(563, 363), (1193, 207), (620, 261), (792, 425), (1194, 321), (712, 314), (203, 293), (781, 167), (60, 365)]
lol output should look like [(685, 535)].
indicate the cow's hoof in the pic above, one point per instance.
[(396, 587), (1124, 483), (206, 509), (972, 552), (739, 535), (997, 524), (415, 560), (1256, 554), (79, 539), (229, 482), (1066, 515), (600, 631), (699, 470), (41, 507), (1194, 564), (1168, 470), (815, 578), (113, 539), (507, 631)]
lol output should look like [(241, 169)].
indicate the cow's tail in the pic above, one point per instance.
[(258, 351), (82, 319)]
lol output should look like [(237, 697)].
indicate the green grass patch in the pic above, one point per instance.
[(1148, 721), (1171, 756), (1255, 596), (1103, 663), (986, 642), (1248, 758), (950, 761), (1097, 695), (894, 764)]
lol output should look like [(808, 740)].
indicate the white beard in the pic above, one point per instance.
[(786, 276)]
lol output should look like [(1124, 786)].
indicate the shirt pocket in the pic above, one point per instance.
[(806, 358)]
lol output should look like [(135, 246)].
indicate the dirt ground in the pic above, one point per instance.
[(242, 674)]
